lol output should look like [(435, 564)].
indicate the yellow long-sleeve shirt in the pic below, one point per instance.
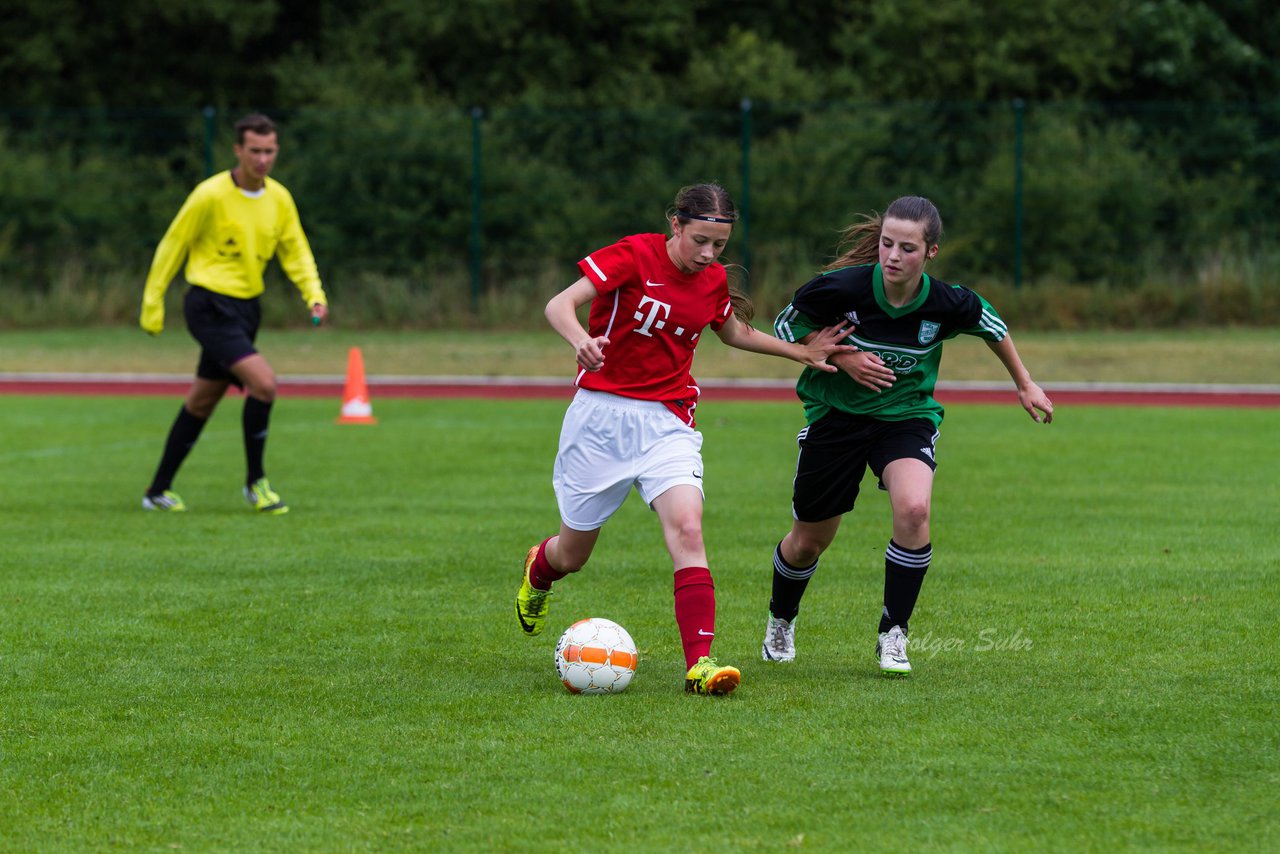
[(227, 238)]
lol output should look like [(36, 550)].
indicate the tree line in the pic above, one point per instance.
[(432, 145), (691, 54)]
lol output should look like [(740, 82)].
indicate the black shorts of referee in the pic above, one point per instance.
[(226, 329)]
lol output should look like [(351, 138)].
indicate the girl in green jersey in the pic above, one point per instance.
[(879, 410)]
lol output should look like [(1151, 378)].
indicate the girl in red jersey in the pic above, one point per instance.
[(632, 419)]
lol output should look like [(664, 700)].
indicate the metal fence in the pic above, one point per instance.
[(1109, 194)]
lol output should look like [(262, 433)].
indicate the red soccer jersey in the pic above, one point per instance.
[(653, 315)]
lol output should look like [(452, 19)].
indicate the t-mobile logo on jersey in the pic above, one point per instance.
[(651, 320)]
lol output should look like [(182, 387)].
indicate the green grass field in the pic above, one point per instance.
[(1095, 644)]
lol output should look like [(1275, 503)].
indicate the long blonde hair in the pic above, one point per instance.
[(860, 242)]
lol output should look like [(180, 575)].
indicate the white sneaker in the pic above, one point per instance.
[(891, 649), (167, 501), (779, 640)]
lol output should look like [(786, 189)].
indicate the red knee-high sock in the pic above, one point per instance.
[(695, 612), (542, 574)]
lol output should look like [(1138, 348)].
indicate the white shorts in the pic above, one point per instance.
[(607, 444)]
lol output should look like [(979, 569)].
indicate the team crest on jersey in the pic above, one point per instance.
[(928, 331)]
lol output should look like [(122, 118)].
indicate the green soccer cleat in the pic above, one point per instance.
[(531, 603), (264, 499), (168, 502), (708, 677)]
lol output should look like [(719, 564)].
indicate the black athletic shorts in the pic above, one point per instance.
[(225, 328), (836, 450)]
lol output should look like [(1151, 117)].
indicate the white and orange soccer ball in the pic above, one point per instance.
[(596, 656)]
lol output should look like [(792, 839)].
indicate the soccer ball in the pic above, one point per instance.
[(596, 656)]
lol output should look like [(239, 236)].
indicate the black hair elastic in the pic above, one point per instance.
[(683, 214)]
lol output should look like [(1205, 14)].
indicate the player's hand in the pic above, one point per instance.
[(319, 312), (822, 345), (152, 319), (1036, 402), (591, 353), (866, 369)]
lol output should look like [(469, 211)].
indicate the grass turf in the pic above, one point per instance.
[(1093, 647)]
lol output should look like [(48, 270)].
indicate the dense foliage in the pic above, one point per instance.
[(468, 149)]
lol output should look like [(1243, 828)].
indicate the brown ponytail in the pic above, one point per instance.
[(859, 243)]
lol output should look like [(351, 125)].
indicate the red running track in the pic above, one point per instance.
[(543, 388)]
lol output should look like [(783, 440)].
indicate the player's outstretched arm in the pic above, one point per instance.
[(1030, 395), (813, 351)]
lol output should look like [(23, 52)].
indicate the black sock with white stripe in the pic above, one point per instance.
[(789, 583), (904, 571)]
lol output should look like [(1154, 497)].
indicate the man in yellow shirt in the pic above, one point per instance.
[(229, 228)]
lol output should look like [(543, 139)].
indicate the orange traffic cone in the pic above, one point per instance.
[(356, 408)]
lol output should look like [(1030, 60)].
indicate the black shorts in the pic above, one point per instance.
[(836, 450), (225, 327)]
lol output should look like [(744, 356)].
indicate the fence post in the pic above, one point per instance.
[(209, 114), (477, 113), (744, 206), (1019, 109)]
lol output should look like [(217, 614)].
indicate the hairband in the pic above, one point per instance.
[(683, 214)]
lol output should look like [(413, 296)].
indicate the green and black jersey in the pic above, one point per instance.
[(908, 339)]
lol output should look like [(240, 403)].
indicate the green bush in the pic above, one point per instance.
[(1120, 223)]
